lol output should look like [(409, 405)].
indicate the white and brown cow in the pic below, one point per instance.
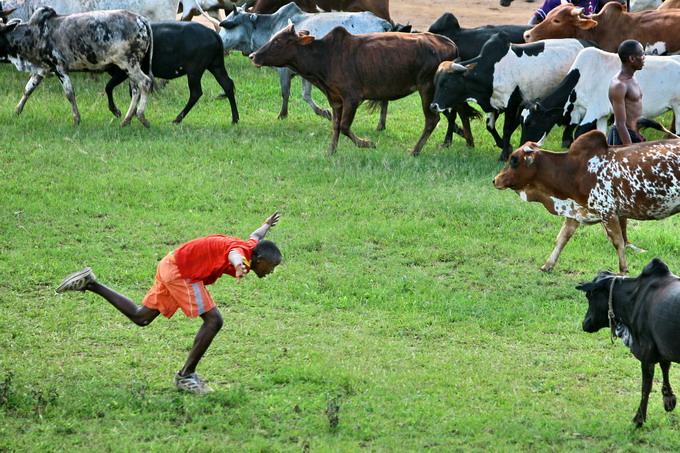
[(93, 41), (594, 182)]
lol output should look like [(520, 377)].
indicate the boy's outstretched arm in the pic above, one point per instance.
[(270, 222)]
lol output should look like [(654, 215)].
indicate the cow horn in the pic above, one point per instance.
[(291, 26), (528, 149), (576, 11), (455, 67), (540, 142)]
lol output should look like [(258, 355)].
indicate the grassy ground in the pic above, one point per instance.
[(408, 314)]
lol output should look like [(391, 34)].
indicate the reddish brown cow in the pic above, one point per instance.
[(611, 27), (380, 8), (349, 69), (594, 182)]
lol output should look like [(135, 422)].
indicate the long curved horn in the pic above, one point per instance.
[(540, 142), (576, 11)]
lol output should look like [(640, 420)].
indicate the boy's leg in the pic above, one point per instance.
[(212, 323), (139, 314)]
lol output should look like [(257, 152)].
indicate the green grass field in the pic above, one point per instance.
[(409, 296)]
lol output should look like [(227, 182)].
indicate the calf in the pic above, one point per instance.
[(503, 76), (581, 101), (594, 182), (645, 312), (183, 48), (349, 69), (94, 41)]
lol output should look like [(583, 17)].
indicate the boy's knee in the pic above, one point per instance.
[(213, 319)]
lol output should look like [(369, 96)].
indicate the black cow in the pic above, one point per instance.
[(183, 48), (645, 313), (471, 40)]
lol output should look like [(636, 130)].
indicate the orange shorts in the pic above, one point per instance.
[(171, 292)]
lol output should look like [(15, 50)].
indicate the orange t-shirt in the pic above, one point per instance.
[(207, 258)]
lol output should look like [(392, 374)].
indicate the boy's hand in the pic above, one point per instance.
[(241, 272), (271, 221)]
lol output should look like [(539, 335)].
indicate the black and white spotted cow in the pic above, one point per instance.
[(582, 102), (503, 76), (93, 41)]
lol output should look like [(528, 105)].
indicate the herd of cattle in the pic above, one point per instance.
[(556, 73)]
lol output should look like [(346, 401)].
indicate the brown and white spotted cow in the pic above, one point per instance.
[(93, 41), (594, 182)]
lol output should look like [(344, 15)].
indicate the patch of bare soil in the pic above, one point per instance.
[(470, 13)]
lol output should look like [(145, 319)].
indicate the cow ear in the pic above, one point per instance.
[(10, 26), (586, 286), (471, 66), (528, 156), (656, 267), (305, 39), (586, 24)]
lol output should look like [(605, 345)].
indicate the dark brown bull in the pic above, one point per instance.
[(611, 26), (594, 182), (349, 69), (380, 8)]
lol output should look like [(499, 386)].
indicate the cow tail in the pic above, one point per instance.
[(148, 58), (373, 106)]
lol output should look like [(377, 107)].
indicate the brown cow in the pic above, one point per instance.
[(594, 182), (349, 69), (611, 26), (380, 8)]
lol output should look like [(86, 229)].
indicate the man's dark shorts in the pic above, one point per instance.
[(614, 139)]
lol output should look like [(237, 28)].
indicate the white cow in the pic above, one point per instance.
[(582, 98), (248, 32)]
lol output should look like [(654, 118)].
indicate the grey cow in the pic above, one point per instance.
[(248, 32), (92, 41)]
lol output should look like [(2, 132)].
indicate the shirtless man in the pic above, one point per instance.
[(626, 96)]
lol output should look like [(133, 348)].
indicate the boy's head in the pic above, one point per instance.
[(631, 50), (266, 256)]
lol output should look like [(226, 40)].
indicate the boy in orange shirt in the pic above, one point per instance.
[(181, 281)]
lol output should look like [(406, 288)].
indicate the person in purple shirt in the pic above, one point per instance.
[(589, 7)]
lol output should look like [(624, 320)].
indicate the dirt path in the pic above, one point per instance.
[(470, 13)]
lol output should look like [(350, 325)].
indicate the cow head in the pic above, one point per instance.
[(282, 48), (238, 29), (450, 85), (565, 21), (5, 29), (597, 293), (538, 120), (520, 169)]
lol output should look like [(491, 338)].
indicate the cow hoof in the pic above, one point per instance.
[(145, 122), (414, 153), (282, 116), (365, 143), (380, 127), (547, 267), (125, 123), (669, 402), (639, 420), (116, 113), (445, 144), (326, 114), (177, 120)]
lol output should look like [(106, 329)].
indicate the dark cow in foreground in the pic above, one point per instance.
[(471, 40), (611, 26), (183, 48), (94, 41), (349, 69), (594, 182), (380, 8), (503, 77), (645, 312)]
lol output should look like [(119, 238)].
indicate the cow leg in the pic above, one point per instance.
[(195, 93), (132, 110), (337, 115), (431, 119), (307, 96), (382, 122), (491, 118), (31, 85), (141, 85), (118, 76), (612, 226), (568, 135), (568, 227), (510, 125), (647, 378), (465, 121), (70, 94), (349, 109), (624, 233), (669, 399), (220, 73), (285, 75)]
